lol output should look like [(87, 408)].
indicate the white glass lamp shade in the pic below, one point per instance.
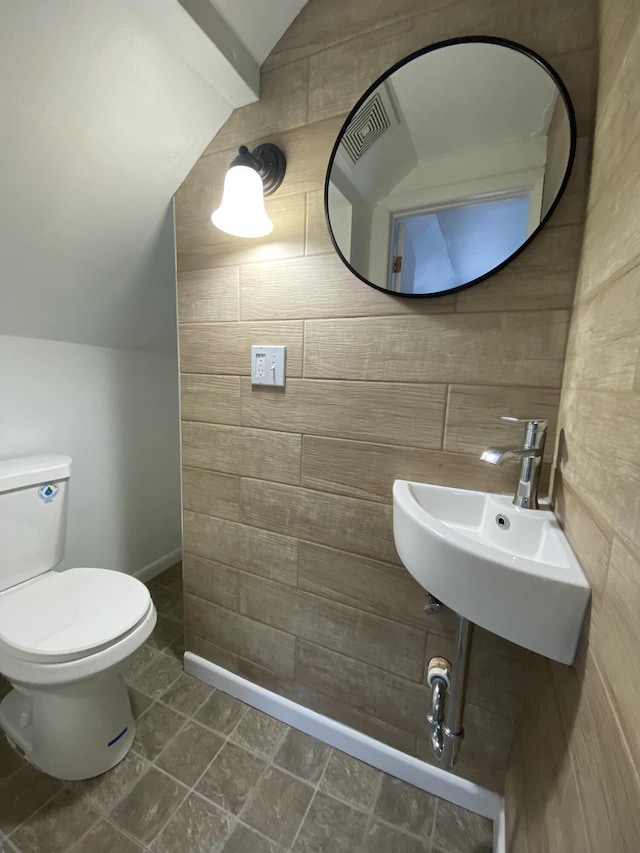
[(241, 210)]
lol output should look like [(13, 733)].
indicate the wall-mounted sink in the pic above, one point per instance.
[(507, 569)]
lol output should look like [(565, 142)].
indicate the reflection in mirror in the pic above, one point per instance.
[(448, 165)]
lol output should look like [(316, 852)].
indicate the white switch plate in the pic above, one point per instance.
[(268, 365)]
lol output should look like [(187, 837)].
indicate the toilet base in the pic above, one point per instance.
[(75, 731)]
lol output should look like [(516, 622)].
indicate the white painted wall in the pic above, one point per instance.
[(115, 412), (260, 25), (105, 108), (355, 246)]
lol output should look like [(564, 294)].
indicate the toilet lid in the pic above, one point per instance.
[(62, 616)]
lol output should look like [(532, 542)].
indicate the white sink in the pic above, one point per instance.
[(517, 577)]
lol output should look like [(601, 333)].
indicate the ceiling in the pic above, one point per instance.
[(494, 95), (105, 108), (464, 101)]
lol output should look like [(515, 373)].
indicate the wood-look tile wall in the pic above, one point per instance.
[(291, 575), (574, 778)]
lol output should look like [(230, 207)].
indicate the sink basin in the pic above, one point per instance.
[(507, 569)]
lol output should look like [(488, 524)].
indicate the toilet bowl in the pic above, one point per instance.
[(66, 638)]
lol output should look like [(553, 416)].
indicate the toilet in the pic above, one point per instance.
[(65, 637)]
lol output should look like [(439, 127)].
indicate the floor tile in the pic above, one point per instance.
[(105, 838), (164, 599), (197, 827), (303, 755), (187, 694), (7, 845), (161, 673), (330, 827), (176, 649), (381, 838), (277, 805), (245, 840), (189, 754), (139, 803), (351, 780), (169, 576), (231, 777), (150, 804), (155, 728), (259, 733), (139, 702), (460, 831), (177, 611), (105, 791), (406, 807), (22, 794), (139, 661), (58, 825), (165, 632), (10, 758), (221, 712), (168, 601)]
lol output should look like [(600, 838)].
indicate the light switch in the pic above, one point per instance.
[(268, 365)]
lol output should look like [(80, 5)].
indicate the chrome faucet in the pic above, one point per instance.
[(530, 454)]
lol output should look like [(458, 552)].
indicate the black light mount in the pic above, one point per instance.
[(269, 162)]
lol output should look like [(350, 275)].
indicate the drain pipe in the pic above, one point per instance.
[(439, 680), (448, 690)]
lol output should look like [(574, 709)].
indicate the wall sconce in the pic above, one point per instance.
[(252, 175)]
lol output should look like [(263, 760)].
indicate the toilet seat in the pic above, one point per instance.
[(65, 616)]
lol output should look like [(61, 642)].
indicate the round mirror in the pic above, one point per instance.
[(449, 165)]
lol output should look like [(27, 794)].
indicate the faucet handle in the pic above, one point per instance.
[(542, 423), (535, 431)]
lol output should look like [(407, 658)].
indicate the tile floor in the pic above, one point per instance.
[(209, 773)]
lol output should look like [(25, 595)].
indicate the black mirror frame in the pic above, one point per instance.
[(437, 46)]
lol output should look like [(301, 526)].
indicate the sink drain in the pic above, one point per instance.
[(502, 521)]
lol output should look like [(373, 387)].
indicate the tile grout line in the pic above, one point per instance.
[(370, 812), (433, 826), (268, 765), (271, 763), (145, 844), (316, 788), (236, 819), (371, 815), (75, 844), (192, 789), (40, 808)]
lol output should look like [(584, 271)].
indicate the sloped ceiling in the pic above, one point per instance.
[(105, 108), (260, 23)]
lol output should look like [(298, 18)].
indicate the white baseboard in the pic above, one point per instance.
[(386, 758), (147, 573), (500, 832)]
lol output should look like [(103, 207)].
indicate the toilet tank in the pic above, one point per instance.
[(33, 516)]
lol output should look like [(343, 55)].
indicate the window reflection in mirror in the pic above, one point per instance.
[(448, 166)]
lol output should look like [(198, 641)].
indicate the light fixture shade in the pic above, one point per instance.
[(241, 210)]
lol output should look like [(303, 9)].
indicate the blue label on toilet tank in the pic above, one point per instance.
[(117, 737), (48, 492)]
